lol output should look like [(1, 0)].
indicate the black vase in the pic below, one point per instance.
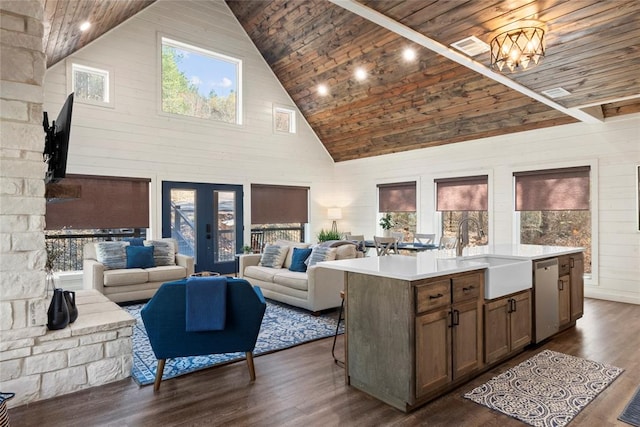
[(58, 313), (70, 298)]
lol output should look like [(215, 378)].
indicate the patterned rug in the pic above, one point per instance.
[(549, 389), (283, 326), (631, 414)]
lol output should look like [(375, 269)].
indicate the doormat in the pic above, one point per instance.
[(283, 326), (631, 414), (549, 389)]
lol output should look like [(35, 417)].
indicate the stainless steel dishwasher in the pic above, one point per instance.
[(546, 298)]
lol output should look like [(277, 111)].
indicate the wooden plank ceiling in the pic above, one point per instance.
[(592, 51)]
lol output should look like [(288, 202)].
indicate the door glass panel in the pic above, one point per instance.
[(225, 207), (183, 220)]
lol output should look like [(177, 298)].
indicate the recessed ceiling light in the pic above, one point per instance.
[(409, 54), (323, 90), (360, 74), (85, 26)]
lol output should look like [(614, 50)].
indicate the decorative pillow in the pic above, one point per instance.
[(300, 255), (164, 252), (319, 254), (140, 257), (273, 256), (112, 254), (346, 251), (134, 241)]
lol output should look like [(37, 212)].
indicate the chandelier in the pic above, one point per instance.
[(517, 49)]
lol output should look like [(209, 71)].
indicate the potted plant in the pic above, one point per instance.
[(246, 249), (386, 223), (326, 235)]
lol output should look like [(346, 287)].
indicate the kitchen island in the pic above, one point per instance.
[(415, 326)]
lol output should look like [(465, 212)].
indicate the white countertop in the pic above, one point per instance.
[(441, 262)]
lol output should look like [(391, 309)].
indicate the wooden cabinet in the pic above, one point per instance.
[(448, 337), (507, 326), (570, 289)]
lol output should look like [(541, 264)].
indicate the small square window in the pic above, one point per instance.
[(90, 85), (284, 120)]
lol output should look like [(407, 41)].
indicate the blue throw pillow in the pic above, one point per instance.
[(134, 241), (300, 255), (140, 257)]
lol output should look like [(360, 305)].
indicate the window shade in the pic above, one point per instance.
[(105, 202), (553, 189), (462, 194), (279, 204), (397, 197)]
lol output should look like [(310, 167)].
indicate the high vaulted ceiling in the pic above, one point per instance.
[(443, 96)]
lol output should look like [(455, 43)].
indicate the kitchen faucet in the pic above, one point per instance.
[(460, 244)]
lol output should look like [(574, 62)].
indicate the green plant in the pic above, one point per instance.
[(386, 222), (326, 235), (246, 249)]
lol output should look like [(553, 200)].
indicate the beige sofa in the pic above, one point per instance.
[(315, 290), (131, 284)]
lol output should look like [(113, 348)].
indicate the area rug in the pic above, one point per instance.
[(549, 389), (283, 326), (631, 414)]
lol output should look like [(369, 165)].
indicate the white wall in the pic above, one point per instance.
[(133, 139), (612, 149)]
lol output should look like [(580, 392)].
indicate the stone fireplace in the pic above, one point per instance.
[(36, 363)]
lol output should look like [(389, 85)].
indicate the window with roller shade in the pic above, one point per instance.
[(554, 208), (278, 212), (463, 198), (108, 208), (399, 200)]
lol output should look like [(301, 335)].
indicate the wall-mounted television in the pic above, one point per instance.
[(56, 145)]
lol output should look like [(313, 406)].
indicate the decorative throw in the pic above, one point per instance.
[(549, 389), (319, 254), (206, 303), (164, 252), (273, 256), (112, 254)]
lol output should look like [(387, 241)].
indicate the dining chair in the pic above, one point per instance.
[(398, 235), (384, 245), (424, 239), (448, 242), (355, 237)]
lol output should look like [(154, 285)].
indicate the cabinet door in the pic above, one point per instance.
[(496, 330), (577, 286), (433, 351), (520, 321), (466, 340), (564, 300)]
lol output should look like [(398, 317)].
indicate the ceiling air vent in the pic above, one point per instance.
[(556, 92), (472, 46)]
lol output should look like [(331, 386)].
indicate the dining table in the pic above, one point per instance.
[(405, 246)]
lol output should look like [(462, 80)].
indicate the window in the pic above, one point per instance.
[(200, 83), (90, 85), (284, 120), (399, 200), (278, 212), (554, 208), (464, 198)]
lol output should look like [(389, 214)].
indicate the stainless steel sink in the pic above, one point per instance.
[(503, 275)]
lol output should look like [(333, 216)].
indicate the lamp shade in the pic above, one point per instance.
[(334, 213)]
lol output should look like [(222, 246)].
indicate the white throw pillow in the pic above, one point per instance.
[(273, 256), (164, 251), (319, 254), (112, 254)]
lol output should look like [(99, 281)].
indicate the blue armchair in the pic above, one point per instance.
[(164, 319)]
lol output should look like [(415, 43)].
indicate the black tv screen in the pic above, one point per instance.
[(57, 142)]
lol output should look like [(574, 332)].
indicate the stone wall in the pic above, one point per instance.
[(34, 363)]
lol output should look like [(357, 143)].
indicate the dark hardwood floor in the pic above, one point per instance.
[(303, 387)]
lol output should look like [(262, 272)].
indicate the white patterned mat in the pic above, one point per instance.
[(283, 326), (549, 389)]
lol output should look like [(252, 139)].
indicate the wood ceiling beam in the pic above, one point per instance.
[(392, 25)]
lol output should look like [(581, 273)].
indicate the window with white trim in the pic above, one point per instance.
[(200, 83), (90, 85), (398, 199), (284, 120)]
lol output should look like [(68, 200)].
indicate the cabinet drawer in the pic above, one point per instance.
[(433, 295), (467, 287), (564, 266)]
